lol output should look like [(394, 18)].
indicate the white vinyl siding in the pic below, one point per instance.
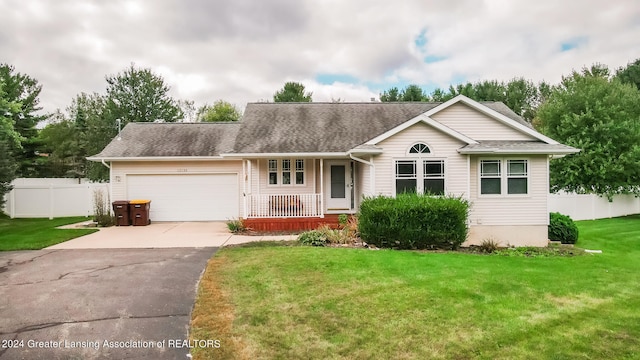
[(120, 171), (442, 147), (477, 125), (521, 209)]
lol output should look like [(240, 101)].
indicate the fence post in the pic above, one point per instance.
[(12, 203), (51, 201)]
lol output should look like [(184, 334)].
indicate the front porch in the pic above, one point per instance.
[(296, 193)]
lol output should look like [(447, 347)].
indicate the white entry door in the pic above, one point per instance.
[(339, 185)]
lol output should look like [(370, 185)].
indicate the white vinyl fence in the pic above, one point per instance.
[(590, 207), (42, 198)]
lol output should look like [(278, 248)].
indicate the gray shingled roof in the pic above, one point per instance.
[(514, 147), (172, 139), (275, 128), (327, 127)]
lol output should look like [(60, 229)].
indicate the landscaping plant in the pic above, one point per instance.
[(412, 221), (102, 212), (562, 228)]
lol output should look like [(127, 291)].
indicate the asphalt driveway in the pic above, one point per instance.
[(99, 303)]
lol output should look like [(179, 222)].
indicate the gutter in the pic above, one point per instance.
[(360, 160), (105, 164)]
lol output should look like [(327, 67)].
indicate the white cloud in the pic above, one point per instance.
[(244, 51)]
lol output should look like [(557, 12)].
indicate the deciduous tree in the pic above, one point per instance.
[(601, 116), (220, 111)]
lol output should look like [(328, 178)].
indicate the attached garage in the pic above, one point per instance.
[(187, 197)]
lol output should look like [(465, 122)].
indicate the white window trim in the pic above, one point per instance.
[(292, 171), (419, 172), (504, 176)]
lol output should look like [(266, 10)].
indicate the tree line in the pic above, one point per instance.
[(592, 109)]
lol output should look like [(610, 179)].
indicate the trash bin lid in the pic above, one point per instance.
[(139, 201), (120, 202)]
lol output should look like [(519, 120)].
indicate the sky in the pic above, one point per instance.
[(245, 50)]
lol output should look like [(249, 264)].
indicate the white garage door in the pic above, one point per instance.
[(192, 197)]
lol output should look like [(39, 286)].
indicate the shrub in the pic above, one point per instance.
[(342, 219), (411, 221), (488, 246), (236, 226), (313, 238), (101, 211), (562, 228)]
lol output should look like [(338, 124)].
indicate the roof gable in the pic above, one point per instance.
[(497, 111)]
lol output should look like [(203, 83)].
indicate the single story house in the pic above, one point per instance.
[(291, 165)]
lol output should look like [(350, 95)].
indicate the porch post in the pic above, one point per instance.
[(321, 188), (244, 189)]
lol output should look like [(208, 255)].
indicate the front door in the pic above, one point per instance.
[(339, 185)]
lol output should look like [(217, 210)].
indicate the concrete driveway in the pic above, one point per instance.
[(99, 303), (163, 235)]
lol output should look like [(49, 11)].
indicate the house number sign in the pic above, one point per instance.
[(182, 170)]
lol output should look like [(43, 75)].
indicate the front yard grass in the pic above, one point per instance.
[(35, 234), (291, 302)]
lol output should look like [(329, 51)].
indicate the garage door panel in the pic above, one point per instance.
[(192, 197)]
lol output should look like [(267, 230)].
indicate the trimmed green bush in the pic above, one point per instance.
[(562, 228), (411, 221)]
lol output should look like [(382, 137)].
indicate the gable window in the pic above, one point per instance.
[(494, 180), (286, 171), (420, 148), (433, 177)]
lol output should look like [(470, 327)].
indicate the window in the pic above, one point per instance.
[(299, 172), (516, 176), (286, 172), (406, 176), (281, 172), (419, 148), (433, 177), (273, 172), (490, 179), (493, 179), (431, 172)]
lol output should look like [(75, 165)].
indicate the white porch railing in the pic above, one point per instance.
[(283, 205)]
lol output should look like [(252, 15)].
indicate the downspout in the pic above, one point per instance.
[(110, 182)]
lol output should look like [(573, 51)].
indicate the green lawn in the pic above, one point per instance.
[(326, 303), (34, 234)]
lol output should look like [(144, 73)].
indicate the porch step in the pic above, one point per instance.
[(290, 224)]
